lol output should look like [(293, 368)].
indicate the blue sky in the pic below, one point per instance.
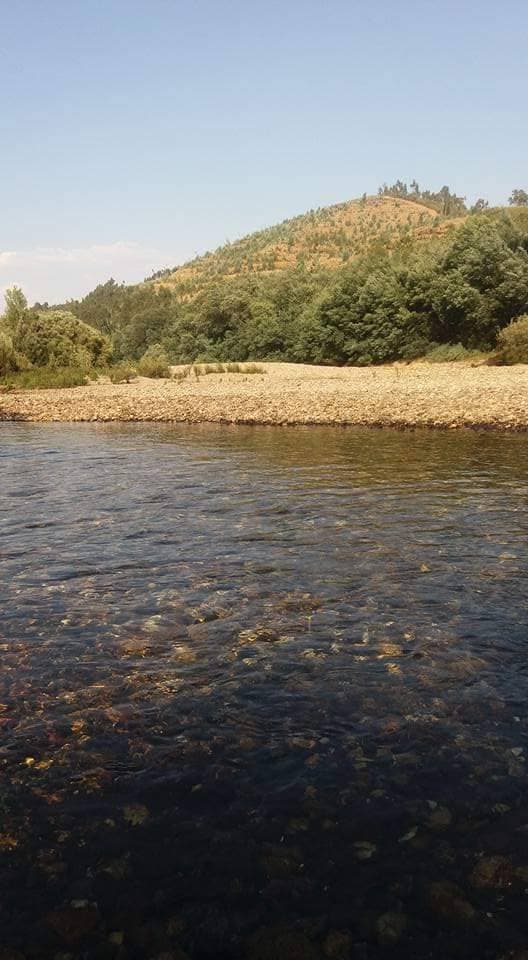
[(135, 133)]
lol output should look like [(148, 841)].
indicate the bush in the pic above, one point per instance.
[(154, 363), (45, 378), (448, 352), (58, 339), (512, 342), (252, 368), (121, 372), (9, 359)]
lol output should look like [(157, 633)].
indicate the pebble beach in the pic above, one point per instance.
[(443, 395)]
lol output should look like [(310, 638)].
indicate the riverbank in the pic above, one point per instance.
[(445, 395)]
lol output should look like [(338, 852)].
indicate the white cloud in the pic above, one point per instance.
[(56, 274)]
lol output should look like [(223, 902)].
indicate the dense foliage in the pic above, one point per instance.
[(461, 288), (57, 338), (512, 342), (418, 284), (50, 339)]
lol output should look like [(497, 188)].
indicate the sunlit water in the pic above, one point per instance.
[(262, 693)]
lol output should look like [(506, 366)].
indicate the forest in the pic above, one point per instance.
[(442, 286)]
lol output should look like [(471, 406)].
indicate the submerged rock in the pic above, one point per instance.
[(364, 849), (447, 900), (74, 922), (390, 927), (280, 943), (492, 872), (440, 819), (337, 945)]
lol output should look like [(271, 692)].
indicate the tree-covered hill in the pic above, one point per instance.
[(405, 274), (325, 238)]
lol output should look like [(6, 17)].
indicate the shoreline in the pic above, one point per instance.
[(434, 396)]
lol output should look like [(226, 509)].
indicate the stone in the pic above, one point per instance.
[(440, 819), (492, 872), (74, 922), (364, 849), (390, 927), (337, 945), (448, 902)]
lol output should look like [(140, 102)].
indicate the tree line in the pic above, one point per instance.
[(389, 304), (383, 306)]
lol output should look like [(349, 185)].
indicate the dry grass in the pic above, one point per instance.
[(207, 369), (321, 239), (420, 394)]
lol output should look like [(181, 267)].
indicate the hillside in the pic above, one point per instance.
[(324, 239), (368, 281)]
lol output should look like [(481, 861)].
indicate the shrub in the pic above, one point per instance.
[(209, 368), (121, 372), (8, 355), (252, 368), (58, 339), (447, 352), (182, 374), (512, 342), (154, 363), (45, 378)]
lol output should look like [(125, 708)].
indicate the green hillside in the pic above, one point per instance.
[(402, 275)]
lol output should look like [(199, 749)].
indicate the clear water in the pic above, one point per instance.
[(262, 693)]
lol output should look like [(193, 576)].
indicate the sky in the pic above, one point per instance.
[(135, 134)]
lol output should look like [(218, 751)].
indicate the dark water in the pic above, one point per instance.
[(262, 693)]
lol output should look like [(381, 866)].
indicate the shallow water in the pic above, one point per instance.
[(262, 693)]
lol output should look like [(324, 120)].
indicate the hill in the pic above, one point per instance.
[(322, 239), (377, 279)]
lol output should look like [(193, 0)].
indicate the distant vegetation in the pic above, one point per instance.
[(443, 201), (410, 273), (48, 347), (512, 342)]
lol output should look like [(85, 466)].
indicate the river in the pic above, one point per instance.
[(262, 693)]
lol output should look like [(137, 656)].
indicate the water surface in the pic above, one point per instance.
[(262, 693)]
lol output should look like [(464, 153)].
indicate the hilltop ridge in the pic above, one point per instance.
[(325, 238)]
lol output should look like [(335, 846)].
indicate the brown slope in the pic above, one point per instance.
[(320, 239)]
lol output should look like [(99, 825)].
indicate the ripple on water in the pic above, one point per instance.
[(262, 692)]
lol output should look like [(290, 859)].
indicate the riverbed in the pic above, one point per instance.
[(262, 693)]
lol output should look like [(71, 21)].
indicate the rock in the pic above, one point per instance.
[(440, 819), (492, 872), (74, 922), (338, 945), (135, 814), (448, 902), (390, 927), (280, 943), (364, 849), (281, 861), (410, 835)]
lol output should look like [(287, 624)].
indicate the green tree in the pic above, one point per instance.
[(16, 308), (58, 339), (519, 198)]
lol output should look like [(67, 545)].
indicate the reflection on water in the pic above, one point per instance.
[(262, 693)]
